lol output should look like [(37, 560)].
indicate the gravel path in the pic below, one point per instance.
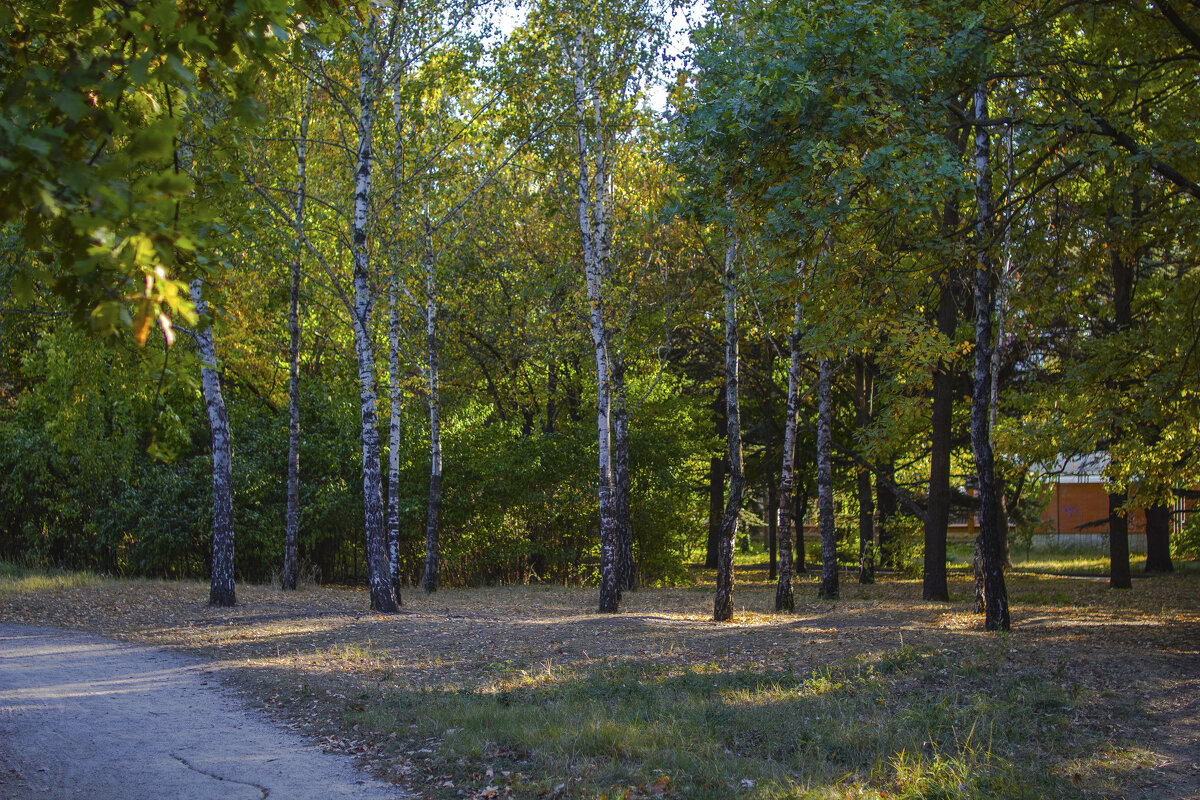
[(86, 717)]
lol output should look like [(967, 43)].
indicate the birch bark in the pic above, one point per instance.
[(784, 597), (292, 525), (723, 603), (829, 569), (378, 571), (221, 586), (590, 213), (996, 614), (433, 510), (396, 399)]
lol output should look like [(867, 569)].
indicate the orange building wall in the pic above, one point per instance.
[(1083, 508)]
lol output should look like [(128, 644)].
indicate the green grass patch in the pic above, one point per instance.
[(909, 723), (17, 579)]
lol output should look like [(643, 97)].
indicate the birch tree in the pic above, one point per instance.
[(723, 603), (292, 523), (221, 585), (989, 544), (829, 570), (784, 596)]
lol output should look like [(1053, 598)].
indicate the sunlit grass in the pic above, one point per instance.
[(17, 579), (865, 727), (527, 689)]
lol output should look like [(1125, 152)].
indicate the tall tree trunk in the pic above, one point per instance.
[(291, 537), (937, 514), (716, 510), (784, 596), (829, 567), (1158, 538), (886, 505), (800, 513), (996, 614), (772, 528), (1118, 542), (395, 379), (378, 571), (723, 603), (626, 578), (221, 586), (1122, 274), (590, 212), (395, 406), (434, 508), (863, 389)]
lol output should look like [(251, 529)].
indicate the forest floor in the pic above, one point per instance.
[(526, 692)]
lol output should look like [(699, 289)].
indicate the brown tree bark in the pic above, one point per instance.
[(863, 390), (1118, 542), (887, 507), (937, 515), (626, 578), (1158, 538), (1122, 275)]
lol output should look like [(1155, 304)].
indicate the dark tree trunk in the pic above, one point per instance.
[(996, 614), (866, 502), (291, 536), (717, 471), (723, 602), (1158, 538), (625, 570), (1118, 542), (829, 567), (886, 506), (800, 511), (221, 586), (716, 510), (551, 398), (937, 514), (772, 529), (1122, 276)]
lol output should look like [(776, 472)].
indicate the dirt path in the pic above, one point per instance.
[(87, 717)]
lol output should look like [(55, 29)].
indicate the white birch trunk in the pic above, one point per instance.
[(829, 569), (723, 602), (395, 406), (592, 239), (433, 510), (221, 588), (378, 572), (784, 597), (292, 526), (988, 544)]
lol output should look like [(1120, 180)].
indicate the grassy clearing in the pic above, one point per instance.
[(525, 692)]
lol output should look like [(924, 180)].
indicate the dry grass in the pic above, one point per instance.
[(526, 692)]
